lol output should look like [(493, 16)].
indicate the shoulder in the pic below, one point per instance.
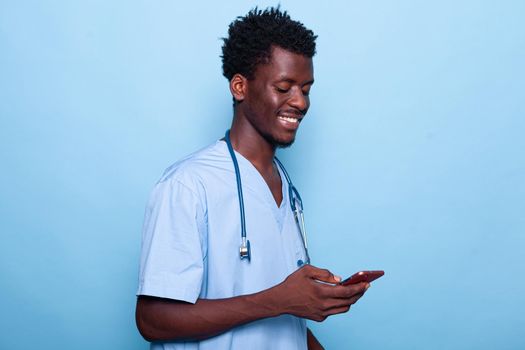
[(199, 168)]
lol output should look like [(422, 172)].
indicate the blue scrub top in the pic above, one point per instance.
[(191, 239)]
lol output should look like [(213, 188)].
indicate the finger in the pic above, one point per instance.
[(345, 292), (355, 298), (340, 304), (337, 303), (337, 310), (357, 288)]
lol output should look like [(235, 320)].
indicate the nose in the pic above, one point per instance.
[(299, 100)]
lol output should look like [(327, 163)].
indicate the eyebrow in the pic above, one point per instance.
[(292, 81)]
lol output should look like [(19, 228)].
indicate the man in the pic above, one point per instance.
[(195, 292)]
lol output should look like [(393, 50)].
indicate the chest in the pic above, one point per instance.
[(275, 242)]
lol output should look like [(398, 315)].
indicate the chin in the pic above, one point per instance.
[(280, 141), (283, 143)]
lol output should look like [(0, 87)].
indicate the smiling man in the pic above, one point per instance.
[(195, 290)]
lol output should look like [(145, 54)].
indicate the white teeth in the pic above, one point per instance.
[(289, 119)]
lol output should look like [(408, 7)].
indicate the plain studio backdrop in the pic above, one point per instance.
[(411, 159)]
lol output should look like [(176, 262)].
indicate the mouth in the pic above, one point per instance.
[(289, 119), (290, 122)]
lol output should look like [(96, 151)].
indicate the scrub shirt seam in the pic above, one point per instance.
[(185, 186), (197, 197)]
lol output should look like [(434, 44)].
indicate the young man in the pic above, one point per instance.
[(195, 291)]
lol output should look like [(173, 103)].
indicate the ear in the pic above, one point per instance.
[(238, 87)]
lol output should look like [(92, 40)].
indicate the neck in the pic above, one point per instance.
[(252, 145)]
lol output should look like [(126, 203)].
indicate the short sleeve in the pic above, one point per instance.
[(172, 253)]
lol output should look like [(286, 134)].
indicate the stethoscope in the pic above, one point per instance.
[(296, 204)]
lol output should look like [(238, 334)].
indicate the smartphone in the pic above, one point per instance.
[(363, 276)]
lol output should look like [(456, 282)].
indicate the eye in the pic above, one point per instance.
[(281, 89), (306, 92)]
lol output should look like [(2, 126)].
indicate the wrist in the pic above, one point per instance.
[(270, 302)]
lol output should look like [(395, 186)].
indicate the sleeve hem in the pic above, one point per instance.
[(169, 293)]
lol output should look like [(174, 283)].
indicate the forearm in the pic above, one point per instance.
[(163, 319), (300, 295)]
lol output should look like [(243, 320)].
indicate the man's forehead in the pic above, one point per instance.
[(286, 65)]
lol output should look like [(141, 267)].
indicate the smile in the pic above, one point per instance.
[(289, 119)]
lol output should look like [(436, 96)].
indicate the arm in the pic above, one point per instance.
[(313, 343), (166, 319), (300, 295)]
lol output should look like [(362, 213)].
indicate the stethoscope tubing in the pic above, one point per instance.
[(293, 195)]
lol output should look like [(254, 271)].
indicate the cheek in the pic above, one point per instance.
[(270, 104), (278, 101)]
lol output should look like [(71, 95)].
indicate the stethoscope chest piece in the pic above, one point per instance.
[(245, 250)]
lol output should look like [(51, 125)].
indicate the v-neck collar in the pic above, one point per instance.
[(259, 185)]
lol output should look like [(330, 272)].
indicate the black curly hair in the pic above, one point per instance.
[(250, 40)]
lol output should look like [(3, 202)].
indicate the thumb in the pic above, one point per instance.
[(323, 275)]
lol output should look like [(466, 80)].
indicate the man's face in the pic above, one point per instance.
[(277, 99)]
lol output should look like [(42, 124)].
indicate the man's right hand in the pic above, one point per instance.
[(314, 293)]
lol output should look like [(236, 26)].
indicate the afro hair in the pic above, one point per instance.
[(250, 40)]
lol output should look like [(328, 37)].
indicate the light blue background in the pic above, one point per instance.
[(411, 160)]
